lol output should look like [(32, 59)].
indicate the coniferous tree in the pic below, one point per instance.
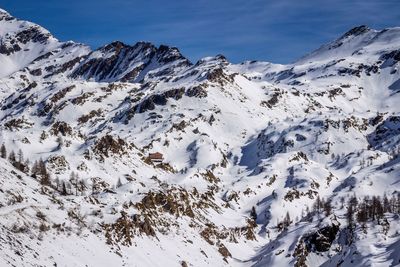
[(19, 163), (69, 188), (328, 208), (386, 204), (286, 221), (341, 202), (26, 166), (253, 213), (20, 156), (398, 204), (393, 204), (379, 209), (82, 186), (11, 157), (119, 183), (362, 213), (3, 151), (44, 175), (35, 169), (60, 142), (353, 201), (94, 186), (350, 216), (64, 189), (73, 179), (77, 181), (317, 205)]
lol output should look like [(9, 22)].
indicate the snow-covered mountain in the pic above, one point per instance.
[(262, 164)]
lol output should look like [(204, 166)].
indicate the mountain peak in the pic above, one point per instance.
[(21, 42), (121, 62), (2, 11), (216, 60), (114, 44), (4, 15), (356, 31), (167, 54), (355, 41)]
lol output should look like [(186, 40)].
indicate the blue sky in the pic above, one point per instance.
[(279, 31)]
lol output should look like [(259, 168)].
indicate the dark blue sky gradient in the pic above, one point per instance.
[(279, 31)]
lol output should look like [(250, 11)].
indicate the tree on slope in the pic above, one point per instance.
[(3, 151), (44, 175), (11, 157)]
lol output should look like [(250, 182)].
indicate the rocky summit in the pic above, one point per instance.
[(131, 155)]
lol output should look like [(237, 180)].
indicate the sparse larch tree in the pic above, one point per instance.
[(253, 213), (11, 157), (73, 179), (3, 151), (82, 186), (44, 175), (64, 189), (328, 208), (119, 183)]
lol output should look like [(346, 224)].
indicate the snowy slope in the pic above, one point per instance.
[(253, 153)]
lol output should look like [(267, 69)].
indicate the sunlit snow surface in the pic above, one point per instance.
[(247, 124)]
